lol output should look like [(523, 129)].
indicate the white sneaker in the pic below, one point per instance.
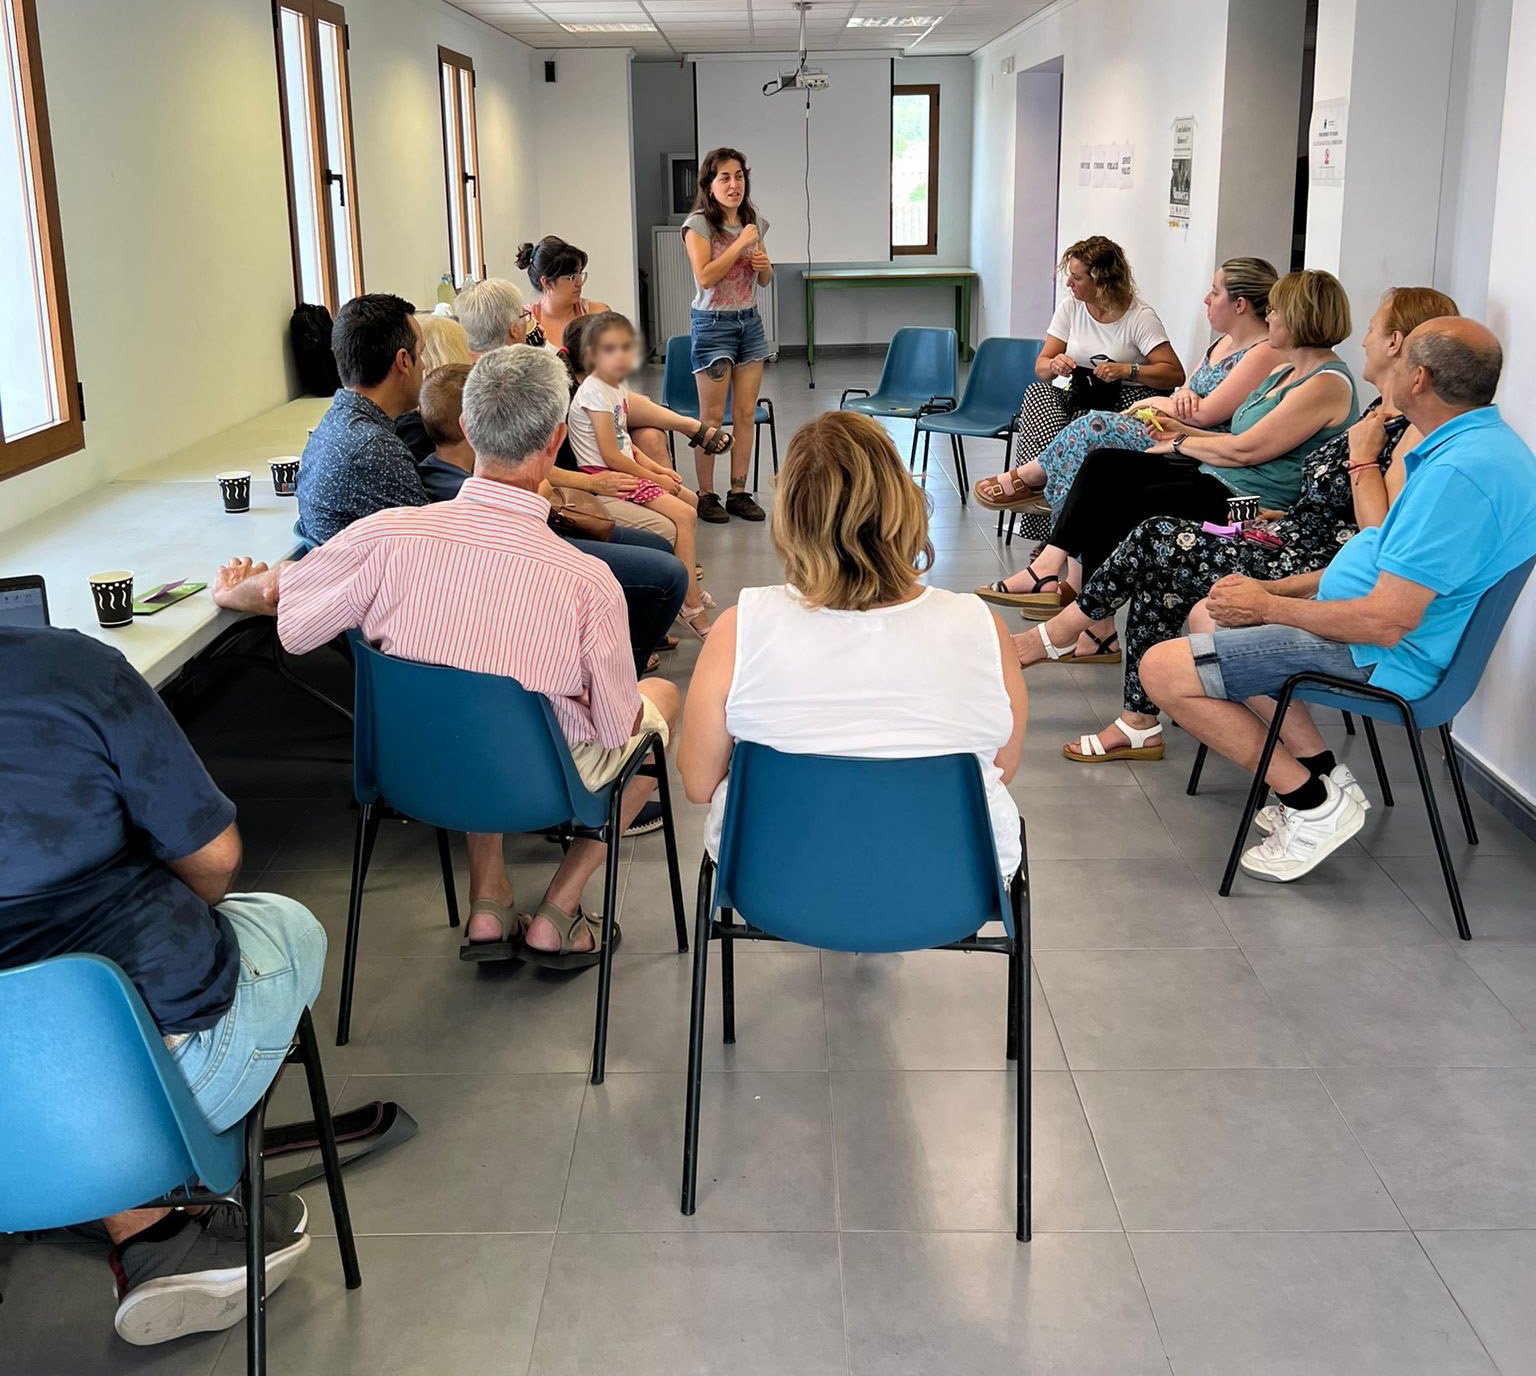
[(1268, 818), (1305, 838)]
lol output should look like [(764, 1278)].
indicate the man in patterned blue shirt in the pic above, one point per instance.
[(354, 463)]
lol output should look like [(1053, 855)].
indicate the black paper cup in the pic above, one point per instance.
[(235, 488), (285, 477), (112, 592), (1240, 509)]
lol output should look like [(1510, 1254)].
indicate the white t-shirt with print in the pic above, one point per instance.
[(596, 395), (1130, 339)]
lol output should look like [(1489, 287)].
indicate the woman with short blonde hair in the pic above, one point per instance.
[(851, 655), (443, 341)]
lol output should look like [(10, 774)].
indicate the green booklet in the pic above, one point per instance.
[(166, 595)]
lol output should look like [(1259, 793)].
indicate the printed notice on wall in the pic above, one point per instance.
[(1099, 154), (1084, 165), (1330, 125), (1125, 179), (1180, 171)]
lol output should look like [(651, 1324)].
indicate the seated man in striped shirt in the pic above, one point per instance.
[(481, 583)]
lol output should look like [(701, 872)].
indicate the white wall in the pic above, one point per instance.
[(1036, 178), (662, 104), (1499, 726), (871, 317), (168, 151), (1129, 68), (585, 167)]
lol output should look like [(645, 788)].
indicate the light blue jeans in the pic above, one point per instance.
[(230, 1065)]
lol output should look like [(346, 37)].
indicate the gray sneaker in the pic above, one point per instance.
[(194, 1281)]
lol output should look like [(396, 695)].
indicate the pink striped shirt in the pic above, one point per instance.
[(479, 583)]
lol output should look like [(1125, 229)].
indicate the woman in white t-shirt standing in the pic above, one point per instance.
[(724, 239), (1100, 325), (851, 655)]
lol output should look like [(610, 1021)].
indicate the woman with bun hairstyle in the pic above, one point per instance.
[(724, 239), (558, 271)]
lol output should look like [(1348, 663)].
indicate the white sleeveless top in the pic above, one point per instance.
[(921, 678)]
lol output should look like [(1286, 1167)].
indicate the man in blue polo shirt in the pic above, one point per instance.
[(1389, 610)]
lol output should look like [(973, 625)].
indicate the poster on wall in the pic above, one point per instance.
[(1085, 165), (1330, 125), (1180, 171), (1125, 179), (1099, 154)]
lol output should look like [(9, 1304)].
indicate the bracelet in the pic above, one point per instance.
[(1362, 467)]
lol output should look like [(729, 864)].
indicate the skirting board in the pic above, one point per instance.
[(1514, 807)]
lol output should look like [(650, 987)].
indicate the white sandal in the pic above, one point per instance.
[(1092, 750)]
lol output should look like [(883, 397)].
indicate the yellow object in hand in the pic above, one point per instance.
[(1150, 415)]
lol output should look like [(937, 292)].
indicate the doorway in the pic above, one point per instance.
[(1036, 187)]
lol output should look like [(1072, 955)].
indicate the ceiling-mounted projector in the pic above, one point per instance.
[(801, 79)]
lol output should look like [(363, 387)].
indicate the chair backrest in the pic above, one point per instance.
[(94, 1116), (679, 392), (923, 361), (1002, 369), (461, 750), (1465, 670), (305, 543), (859, 855)]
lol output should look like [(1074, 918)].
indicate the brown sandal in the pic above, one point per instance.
[(508, 946), (567, 924), (1000, 594), (1016, 495)]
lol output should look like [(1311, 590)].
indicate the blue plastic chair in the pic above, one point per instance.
[(920, 376), (806, 855), (1436, 709), (98, 1119), (680, 393), (1001, 370), (478, 752)]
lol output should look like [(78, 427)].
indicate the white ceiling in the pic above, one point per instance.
[(767, 26)]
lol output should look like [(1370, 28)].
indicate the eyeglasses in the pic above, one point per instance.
[(579, 278)]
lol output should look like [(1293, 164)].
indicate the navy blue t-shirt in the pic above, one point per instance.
[(98, 789)]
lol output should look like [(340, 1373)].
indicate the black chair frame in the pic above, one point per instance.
[(725, 929), (1259, 788), (772, 422), (932, 406), (648, 759)]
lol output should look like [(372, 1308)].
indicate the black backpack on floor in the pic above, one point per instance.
[(309, 331)]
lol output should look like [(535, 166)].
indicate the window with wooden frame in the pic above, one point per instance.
[(42, 412), (914, 169), (316, 104), (461, 164)]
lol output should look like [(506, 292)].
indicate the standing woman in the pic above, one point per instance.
[(724, 239), (558, 272)]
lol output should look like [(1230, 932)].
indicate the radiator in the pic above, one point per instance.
[(672, 289)]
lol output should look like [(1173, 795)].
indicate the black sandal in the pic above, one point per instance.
[(712, 439), (1000, 594)]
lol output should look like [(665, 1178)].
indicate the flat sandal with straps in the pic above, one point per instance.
[(1103, 655), (568, 924), (999, 593), (507, 946), (1144, 745)]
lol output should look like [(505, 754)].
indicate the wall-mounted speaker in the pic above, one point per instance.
[(549, 73)]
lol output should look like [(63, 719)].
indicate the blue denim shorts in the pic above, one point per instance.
[(736, 336), (1255, 661), (230, 1065)]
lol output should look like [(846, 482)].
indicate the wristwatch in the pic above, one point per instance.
[(1178, 442), (1135, 371)]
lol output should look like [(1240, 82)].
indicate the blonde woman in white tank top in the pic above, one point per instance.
[(851, 655)]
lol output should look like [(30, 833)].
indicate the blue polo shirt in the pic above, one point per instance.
[(1466, 516)]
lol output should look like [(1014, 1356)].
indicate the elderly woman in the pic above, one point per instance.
[(1238, 359), (1307, 400), (851, 655), (1168, 564), (1103, 340)]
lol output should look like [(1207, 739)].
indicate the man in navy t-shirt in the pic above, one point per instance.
[(115, 842)]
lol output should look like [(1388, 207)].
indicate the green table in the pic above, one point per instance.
[(961, 279)]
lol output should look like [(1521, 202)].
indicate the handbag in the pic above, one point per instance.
[(1087, 393), (577, 515)]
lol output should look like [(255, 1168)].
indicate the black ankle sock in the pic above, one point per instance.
[(1320, 764), (166, 1228), (1310, 795)]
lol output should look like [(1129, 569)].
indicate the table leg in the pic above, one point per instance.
[(963, 293), (810, 329)]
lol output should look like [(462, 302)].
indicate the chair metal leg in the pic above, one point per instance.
[(252, 1204), (1460, 788), (1381, 768), (962, 474), (669, 837), (1349, 723), (757, 454), (927, 444), (450, 888), (773, 439), (1008, 541), (1193, 786), (727, 977), (912, 455), (1257, 791), (1000, 516), (1019, 899), (610, 917), (367, 830), (280, 664), (1437, 830), (696, 1035), (325, 1130)]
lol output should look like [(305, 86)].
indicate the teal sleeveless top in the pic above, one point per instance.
[(1277, 483)]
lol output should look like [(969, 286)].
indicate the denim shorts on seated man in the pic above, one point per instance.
[(735, 336), (230, 1065), (1255, 661)]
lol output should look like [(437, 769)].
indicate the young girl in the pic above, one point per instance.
[(599, 425), (724, 239)]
